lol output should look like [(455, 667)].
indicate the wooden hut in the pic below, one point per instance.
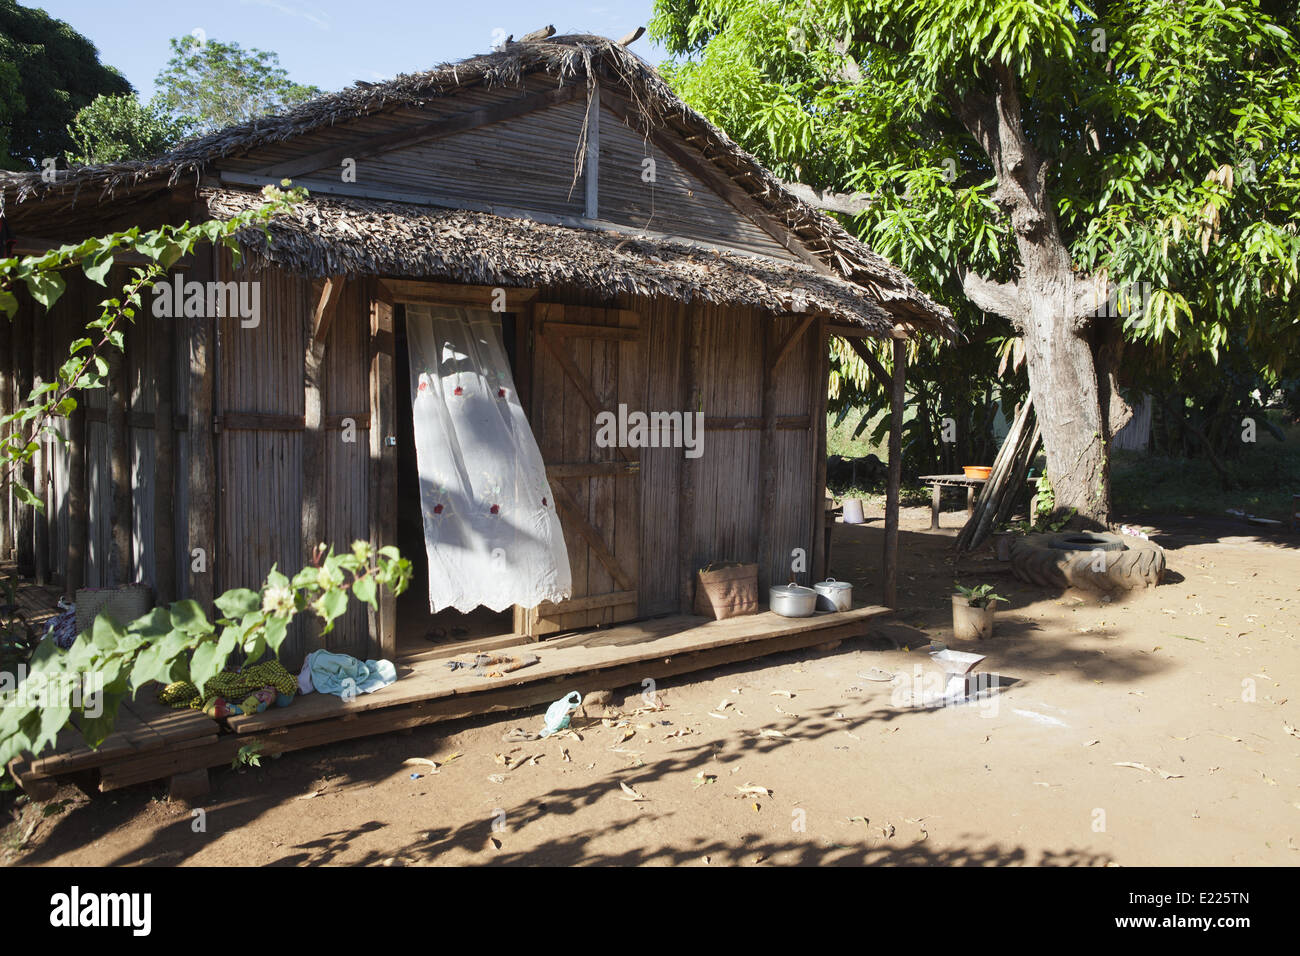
[(645, 259)]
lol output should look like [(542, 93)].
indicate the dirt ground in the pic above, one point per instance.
[(812, 758)]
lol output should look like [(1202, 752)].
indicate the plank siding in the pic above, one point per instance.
[(661, 468), (259, 505), (525, 163), (676, 202), (345, 512)]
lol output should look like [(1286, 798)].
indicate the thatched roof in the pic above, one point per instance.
[(344, 236), (568, 58)]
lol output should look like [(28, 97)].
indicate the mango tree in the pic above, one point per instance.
[(1096, 175)]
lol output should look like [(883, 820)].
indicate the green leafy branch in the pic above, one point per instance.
[(86, 367), (178, 642)]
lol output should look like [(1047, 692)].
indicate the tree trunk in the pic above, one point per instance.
[(1064, 387), (1053, 309)]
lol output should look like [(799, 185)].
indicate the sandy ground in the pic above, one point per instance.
[(1197, 681)]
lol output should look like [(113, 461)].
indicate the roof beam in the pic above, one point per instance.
[(788, 345), (327, 306), (874, 364), (453, 293), (434, 129), (592, 161)]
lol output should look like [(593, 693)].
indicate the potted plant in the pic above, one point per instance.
[(972, 612)]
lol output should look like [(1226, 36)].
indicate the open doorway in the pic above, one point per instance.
[(421, 634)]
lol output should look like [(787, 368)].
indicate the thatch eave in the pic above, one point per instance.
[(354, 237)]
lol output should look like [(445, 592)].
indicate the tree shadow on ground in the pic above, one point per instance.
[(1021, 650), (239, 799)]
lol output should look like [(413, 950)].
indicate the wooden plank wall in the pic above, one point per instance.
[(346, 507), (260, 481), (724, 512), (261, 462), (793, 454), (727, 490), (665, 323), (350, 131), (676, 202), (521, 163), (614, 371), (143, 360), (259, 493), (58, 546)]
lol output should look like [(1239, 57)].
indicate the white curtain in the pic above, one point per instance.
[(490, 527)]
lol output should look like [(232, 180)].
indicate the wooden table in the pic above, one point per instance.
[(939, 482)]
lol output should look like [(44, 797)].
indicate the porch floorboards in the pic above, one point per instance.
[(152, 742)]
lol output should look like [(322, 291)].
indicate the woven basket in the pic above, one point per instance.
[(728, 590), (123, 604)]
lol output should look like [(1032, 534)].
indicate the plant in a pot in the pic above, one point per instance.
[(972, 612)]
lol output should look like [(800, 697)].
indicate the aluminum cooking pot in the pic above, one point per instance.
[(792, 600), (834, 595)]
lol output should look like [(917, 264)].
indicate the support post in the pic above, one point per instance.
[(6, 407), (119, 452), (822, 373), (591, 163), (202, 477), (41, 331), (686, 499), (314, 472), (164, 438), (24, 515), (78, 522), (895, 480), (383, 458), (767, 570)]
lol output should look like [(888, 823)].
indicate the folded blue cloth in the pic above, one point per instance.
[(346, 676)]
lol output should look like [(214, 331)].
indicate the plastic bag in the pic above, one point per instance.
[(557, 715)]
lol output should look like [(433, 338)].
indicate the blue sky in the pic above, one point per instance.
[(333, 43)]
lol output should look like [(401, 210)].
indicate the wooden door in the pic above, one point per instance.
[(587, 361)]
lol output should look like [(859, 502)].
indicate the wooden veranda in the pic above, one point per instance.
[(153, 742)]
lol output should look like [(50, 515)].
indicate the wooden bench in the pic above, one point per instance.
[(938, 482)]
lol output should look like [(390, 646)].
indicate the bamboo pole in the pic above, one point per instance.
[(24, 518), (164, 439), (821, 385), (898, 399), (686, 498), (767, 569), (6, 407), (41, 331), (119, 458), (986, 507), (203, 478)]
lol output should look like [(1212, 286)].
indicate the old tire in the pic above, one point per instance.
[(1110, 562)]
